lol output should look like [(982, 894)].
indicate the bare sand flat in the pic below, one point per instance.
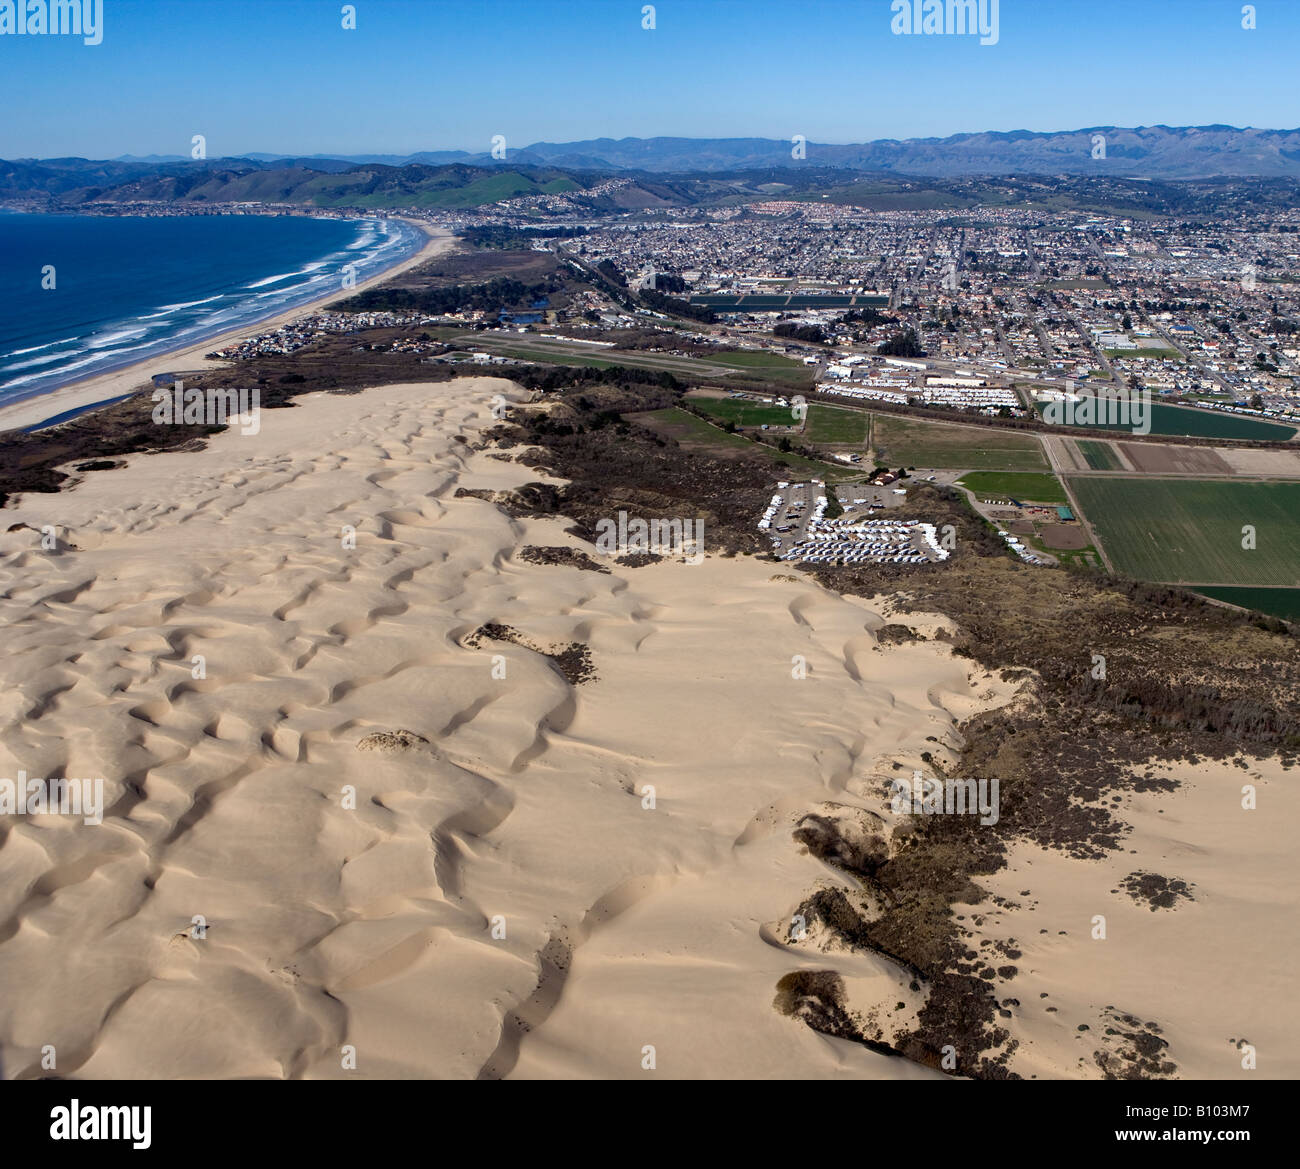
[(105, 387), (506, 895), (1213, 969)]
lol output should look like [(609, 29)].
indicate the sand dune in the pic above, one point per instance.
[(505, 896)]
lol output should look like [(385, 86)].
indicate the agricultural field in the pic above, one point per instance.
[(1191, 531), (1284, 603), (1189, 421), (914, 442), (1100, 456), (1028, 487), (1153, 458)]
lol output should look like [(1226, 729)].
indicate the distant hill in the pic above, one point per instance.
[(318, 183), (1154, 151), (1150, 170), (1183, 152)]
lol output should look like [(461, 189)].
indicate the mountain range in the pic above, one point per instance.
[(1148, 151), (1150, 169)]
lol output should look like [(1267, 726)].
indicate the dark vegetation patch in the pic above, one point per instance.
[(478, 274), (816, 997), (1132, 1050), (860, 852), (613, 465), (568, 557), (1157, 891), (572, 661), (895, 634), (33, 462)]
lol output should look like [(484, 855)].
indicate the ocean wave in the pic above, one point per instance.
[(111, 339), (91, 359), (35, 361), (168, 309), (285, 276), (38, 348)]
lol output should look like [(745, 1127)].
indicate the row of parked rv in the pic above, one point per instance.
[(1019, 548), (863, 393), (849, 541)]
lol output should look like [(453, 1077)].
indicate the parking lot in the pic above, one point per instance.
[(795, 520)]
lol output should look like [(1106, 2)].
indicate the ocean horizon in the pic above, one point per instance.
[(84, 295)]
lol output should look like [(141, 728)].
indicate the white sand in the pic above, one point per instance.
[(108, 386), (330, 928)]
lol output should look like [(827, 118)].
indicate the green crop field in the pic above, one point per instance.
[(1190, 531), (1284, 603), (913, 442), (1100, 456), (1187, 420), (827, 424), (1026, 487)]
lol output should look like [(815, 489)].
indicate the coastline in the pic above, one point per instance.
[(103, 389)]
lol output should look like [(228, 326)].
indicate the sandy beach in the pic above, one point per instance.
[(347, 833), (108, 386)]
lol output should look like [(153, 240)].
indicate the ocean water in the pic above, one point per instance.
[(128, 288)]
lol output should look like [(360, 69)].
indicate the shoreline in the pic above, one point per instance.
[(103, 389)]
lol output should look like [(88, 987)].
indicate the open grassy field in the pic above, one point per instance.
[(772, 366), (692, 431), (1100, 456), (914, 442), (827, 424), (745, 413), (1190, 531), (1145, 354), (1028, 487)]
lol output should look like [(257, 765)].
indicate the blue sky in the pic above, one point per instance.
[(283, 76)]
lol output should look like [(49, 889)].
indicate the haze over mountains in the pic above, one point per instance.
[(1155, 151)]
